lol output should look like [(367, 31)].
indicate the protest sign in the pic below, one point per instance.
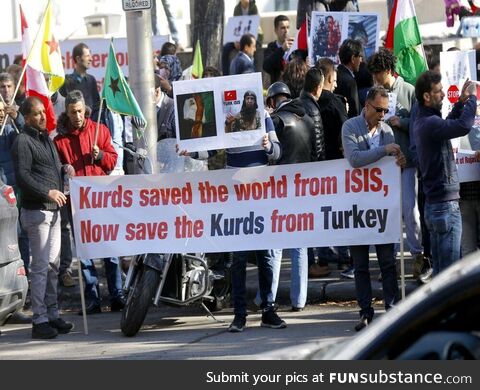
[(468, 166), (329, 29), (239, 25), (220, 112), (455, 68), (288, 206), (99, 48)]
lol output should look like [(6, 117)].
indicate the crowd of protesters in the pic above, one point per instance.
[(313, 112)]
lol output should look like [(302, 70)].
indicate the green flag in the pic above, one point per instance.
[(116, 92), (197, 67)]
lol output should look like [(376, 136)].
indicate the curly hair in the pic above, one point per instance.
[(294, 76), (382, 61)]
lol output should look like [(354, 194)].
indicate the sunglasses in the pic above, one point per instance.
[(379, 109)]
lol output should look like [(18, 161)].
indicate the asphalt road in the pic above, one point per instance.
[(181, 333)]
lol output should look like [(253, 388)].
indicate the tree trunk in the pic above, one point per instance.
[(207, 26)]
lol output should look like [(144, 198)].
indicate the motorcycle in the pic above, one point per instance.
[(174, 279)]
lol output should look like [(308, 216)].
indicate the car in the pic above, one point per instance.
[(13, 279), (438, 321)]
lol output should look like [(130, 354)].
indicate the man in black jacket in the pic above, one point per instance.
[(332, 110), (38, 173), (351, 54), (295, 131), (274, 61), (312, 89)]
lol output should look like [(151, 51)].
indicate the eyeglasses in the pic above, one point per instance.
[(379, 109)]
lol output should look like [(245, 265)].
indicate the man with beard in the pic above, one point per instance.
[(437, 163), (76, 146), (38, 174), (248, 118)]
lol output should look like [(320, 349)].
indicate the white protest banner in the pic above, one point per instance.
[(468, 166), (329, 29), (219, 112), (239, 25), (98, 47), (455, 68), (288, 206)]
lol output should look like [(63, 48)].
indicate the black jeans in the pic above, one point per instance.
[(363, 286)]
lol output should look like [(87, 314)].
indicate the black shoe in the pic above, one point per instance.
[(61, 326), (363, 323), (295, 308), (117, 304), (238, 324), (43, 331), (349, 273), (270, 319), (20, 318), (91, 309)]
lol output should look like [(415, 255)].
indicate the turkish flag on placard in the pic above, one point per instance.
[(229, 96), (35, 84)]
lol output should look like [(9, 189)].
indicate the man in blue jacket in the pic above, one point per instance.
[(437, 163)]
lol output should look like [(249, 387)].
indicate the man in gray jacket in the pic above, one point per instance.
[(366, 139), (382, 66)]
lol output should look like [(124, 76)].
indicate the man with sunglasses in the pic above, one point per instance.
[(366, 139), (382, 67)]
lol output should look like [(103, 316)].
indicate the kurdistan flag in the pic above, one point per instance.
[(116, 92), (403, 37), (45, 56)]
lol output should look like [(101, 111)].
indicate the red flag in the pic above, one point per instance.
[(301, 39), (35, 84), (229, 96), (391, 27)]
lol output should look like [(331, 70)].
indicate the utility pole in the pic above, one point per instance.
[(140, 70)]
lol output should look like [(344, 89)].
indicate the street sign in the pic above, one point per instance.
[(453, 94), (136, 5)]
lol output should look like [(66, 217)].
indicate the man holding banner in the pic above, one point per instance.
[(90, 154), (366, 139), (437, 163)]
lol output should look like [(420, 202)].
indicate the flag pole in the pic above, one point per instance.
[(5, 118), (26, 62), (97, 127), (402, 255)]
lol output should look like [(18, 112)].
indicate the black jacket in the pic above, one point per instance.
[(313, 111), (334, 114), (347, 87), (295, 131), (37, 169), (273, 62)]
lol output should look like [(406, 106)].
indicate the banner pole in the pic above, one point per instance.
[(402, 254), (82, 297)]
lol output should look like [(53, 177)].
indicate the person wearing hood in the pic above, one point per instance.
[(170, 70), (296, 133), (77, 147)]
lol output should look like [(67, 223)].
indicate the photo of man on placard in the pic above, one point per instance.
[(248, 118)]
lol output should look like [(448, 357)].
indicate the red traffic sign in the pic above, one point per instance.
[(453, 94)]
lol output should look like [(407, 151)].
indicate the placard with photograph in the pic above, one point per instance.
[(220, 112), (329, 29)]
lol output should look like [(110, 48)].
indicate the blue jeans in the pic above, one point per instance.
[(411, 215), (265, 261), (470, 210), (444, 222), (90, 276), (363, 286)]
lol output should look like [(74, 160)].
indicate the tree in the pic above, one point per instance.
[(207, 26)]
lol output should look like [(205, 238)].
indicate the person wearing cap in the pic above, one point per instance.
[(248, 118), (296, 133)]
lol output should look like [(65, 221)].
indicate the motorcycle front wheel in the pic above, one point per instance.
[(138, 300)]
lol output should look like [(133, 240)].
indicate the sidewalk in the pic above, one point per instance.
[(321, 290)]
